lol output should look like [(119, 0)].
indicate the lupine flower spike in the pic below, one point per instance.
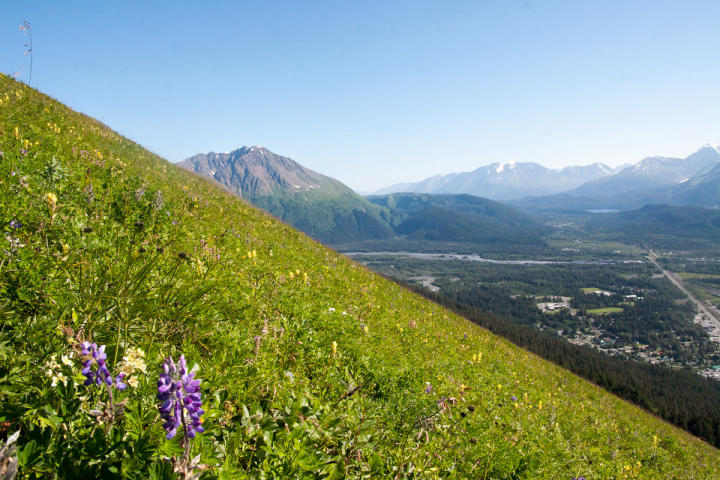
[(100, 374), (179, 394)]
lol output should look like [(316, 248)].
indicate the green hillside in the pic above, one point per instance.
[(311, 366), (459, 218), (682, 222), (330, 217)]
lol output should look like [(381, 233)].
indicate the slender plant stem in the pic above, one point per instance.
[(111, 408), (31, 54)]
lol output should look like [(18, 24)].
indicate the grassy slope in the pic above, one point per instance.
[(262, 332)]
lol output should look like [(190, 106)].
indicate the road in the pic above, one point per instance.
[(711, 313)]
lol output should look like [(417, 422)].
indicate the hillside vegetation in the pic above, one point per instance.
[(459, 218), (311, 366)]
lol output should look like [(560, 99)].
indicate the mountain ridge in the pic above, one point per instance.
[(319, 205), (505, 180), (512, 181)]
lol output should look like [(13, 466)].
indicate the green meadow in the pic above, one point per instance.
[(604, 311)]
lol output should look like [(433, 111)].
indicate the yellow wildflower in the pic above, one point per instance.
[(51, 200)]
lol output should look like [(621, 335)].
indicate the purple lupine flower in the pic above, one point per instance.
[(23, 151), (179, 396), (428, 387), (96, 355), (513, 398), (15, 224), (119, 384)]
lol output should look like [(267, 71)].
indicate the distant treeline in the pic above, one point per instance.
[(679, 396)]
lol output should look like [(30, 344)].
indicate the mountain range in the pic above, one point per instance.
[(681, 181), (652, 173), (331, 212), (692, 181), (506, 181)]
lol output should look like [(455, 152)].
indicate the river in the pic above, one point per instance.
[(477, 258)]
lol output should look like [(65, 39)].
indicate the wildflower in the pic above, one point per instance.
[(139, 193), (428, 387), (15, 224), (67, 360), (51, 201), (513, 398), (179, 394), (96, 355), (119, 383), (23, 151), (133, 361), (54, 372), (333, 345)]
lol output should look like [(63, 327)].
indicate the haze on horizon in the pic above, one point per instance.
[(377, 93)]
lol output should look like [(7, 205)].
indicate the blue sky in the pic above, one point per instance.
[(378, 92)]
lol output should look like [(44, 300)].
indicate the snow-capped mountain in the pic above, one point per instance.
[(506, 181), (653, 173)]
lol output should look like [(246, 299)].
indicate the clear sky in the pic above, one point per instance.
[(379, 92)]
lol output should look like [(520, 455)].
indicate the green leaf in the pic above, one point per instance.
[(376, 462)]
